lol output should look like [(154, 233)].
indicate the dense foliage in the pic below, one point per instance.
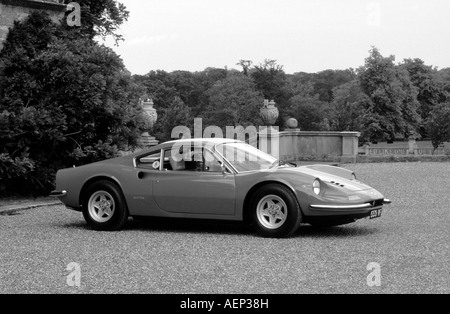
[(382, 99), (438, 124), (65, 100)]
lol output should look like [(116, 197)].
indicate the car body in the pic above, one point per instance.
[(216, 179)]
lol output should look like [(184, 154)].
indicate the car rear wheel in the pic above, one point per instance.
[(104, 207), (275, 212)]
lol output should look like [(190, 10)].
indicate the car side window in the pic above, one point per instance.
[(189, 161), (150, 161), (195, 160)]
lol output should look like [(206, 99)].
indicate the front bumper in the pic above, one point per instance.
[(369, 205)]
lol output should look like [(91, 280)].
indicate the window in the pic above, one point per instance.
[(195, 159)]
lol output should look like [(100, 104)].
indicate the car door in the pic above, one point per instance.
[(197, 189)]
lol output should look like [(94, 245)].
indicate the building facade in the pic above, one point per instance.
[(17, 10)]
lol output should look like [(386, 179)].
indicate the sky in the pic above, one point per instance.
[(302, 35)]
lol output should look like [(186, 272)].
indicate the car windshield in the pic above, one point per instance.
[(245, 157)]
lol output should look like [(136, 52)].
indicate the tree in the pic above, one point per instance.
[(176, 114), (431, 91), (102, 18), (305, 106), (206, 80), (392, 97), (234, 101), (270, 80), (246, 65), (438, 124), (159, 86), (346, 109), (443, 76), (326, 81), (65, 103)]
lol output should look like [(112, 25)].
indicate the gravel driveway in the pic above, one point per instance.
[(410, 243)]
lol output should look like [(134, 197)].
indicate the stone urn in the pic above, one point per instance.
[(150, 114), (269, 113)]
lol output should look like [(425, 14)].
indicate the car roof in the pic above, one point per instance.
[(192, 141)]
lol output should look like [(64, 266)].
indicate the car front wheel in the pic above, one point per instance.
[(275, 212), (104, 207)]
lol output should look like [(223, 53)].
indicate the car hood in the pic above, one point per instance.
[(330, 179)]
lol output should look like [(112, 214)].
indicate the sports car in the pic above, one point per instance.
[(216, 179)]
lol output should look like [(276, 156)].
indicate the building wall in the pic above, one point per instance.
[(17, 10)]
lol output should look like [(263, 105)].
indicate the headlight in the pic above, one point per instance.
[(316, 186)]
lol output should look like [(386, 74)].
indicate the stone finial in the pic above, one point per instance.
[(292, 124)]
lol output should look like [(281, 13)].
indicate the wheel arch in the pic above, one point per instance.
[(93, 180), (248, 198)]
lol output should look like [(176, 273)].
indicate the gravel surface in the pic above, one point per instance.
[(410, 243)]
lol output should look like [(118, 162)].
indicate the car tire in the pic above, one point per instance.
[(275, 212), (104, 207)]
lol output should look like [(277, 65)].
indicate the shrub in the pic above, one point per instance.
[(64, 100), (14, 173)]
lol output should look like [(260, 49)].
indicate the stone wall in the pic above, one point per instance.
[(298, 145), (17, 10)]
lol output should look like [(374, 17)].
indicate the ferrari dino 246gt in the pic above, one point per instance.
[(216, 179)]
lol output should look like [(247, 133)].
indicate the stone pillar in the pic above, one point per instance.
[(350, 142), (269, 136), (412, 145), (269, 141), (367, 149)]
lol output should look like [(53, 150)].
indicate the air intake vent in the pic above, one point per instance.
[(378, 203)]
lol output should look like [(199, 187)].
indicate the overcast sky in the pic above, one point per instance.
[(303, 35)]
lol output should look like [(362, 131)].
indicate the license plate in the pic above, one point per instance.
[(376, 213)]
